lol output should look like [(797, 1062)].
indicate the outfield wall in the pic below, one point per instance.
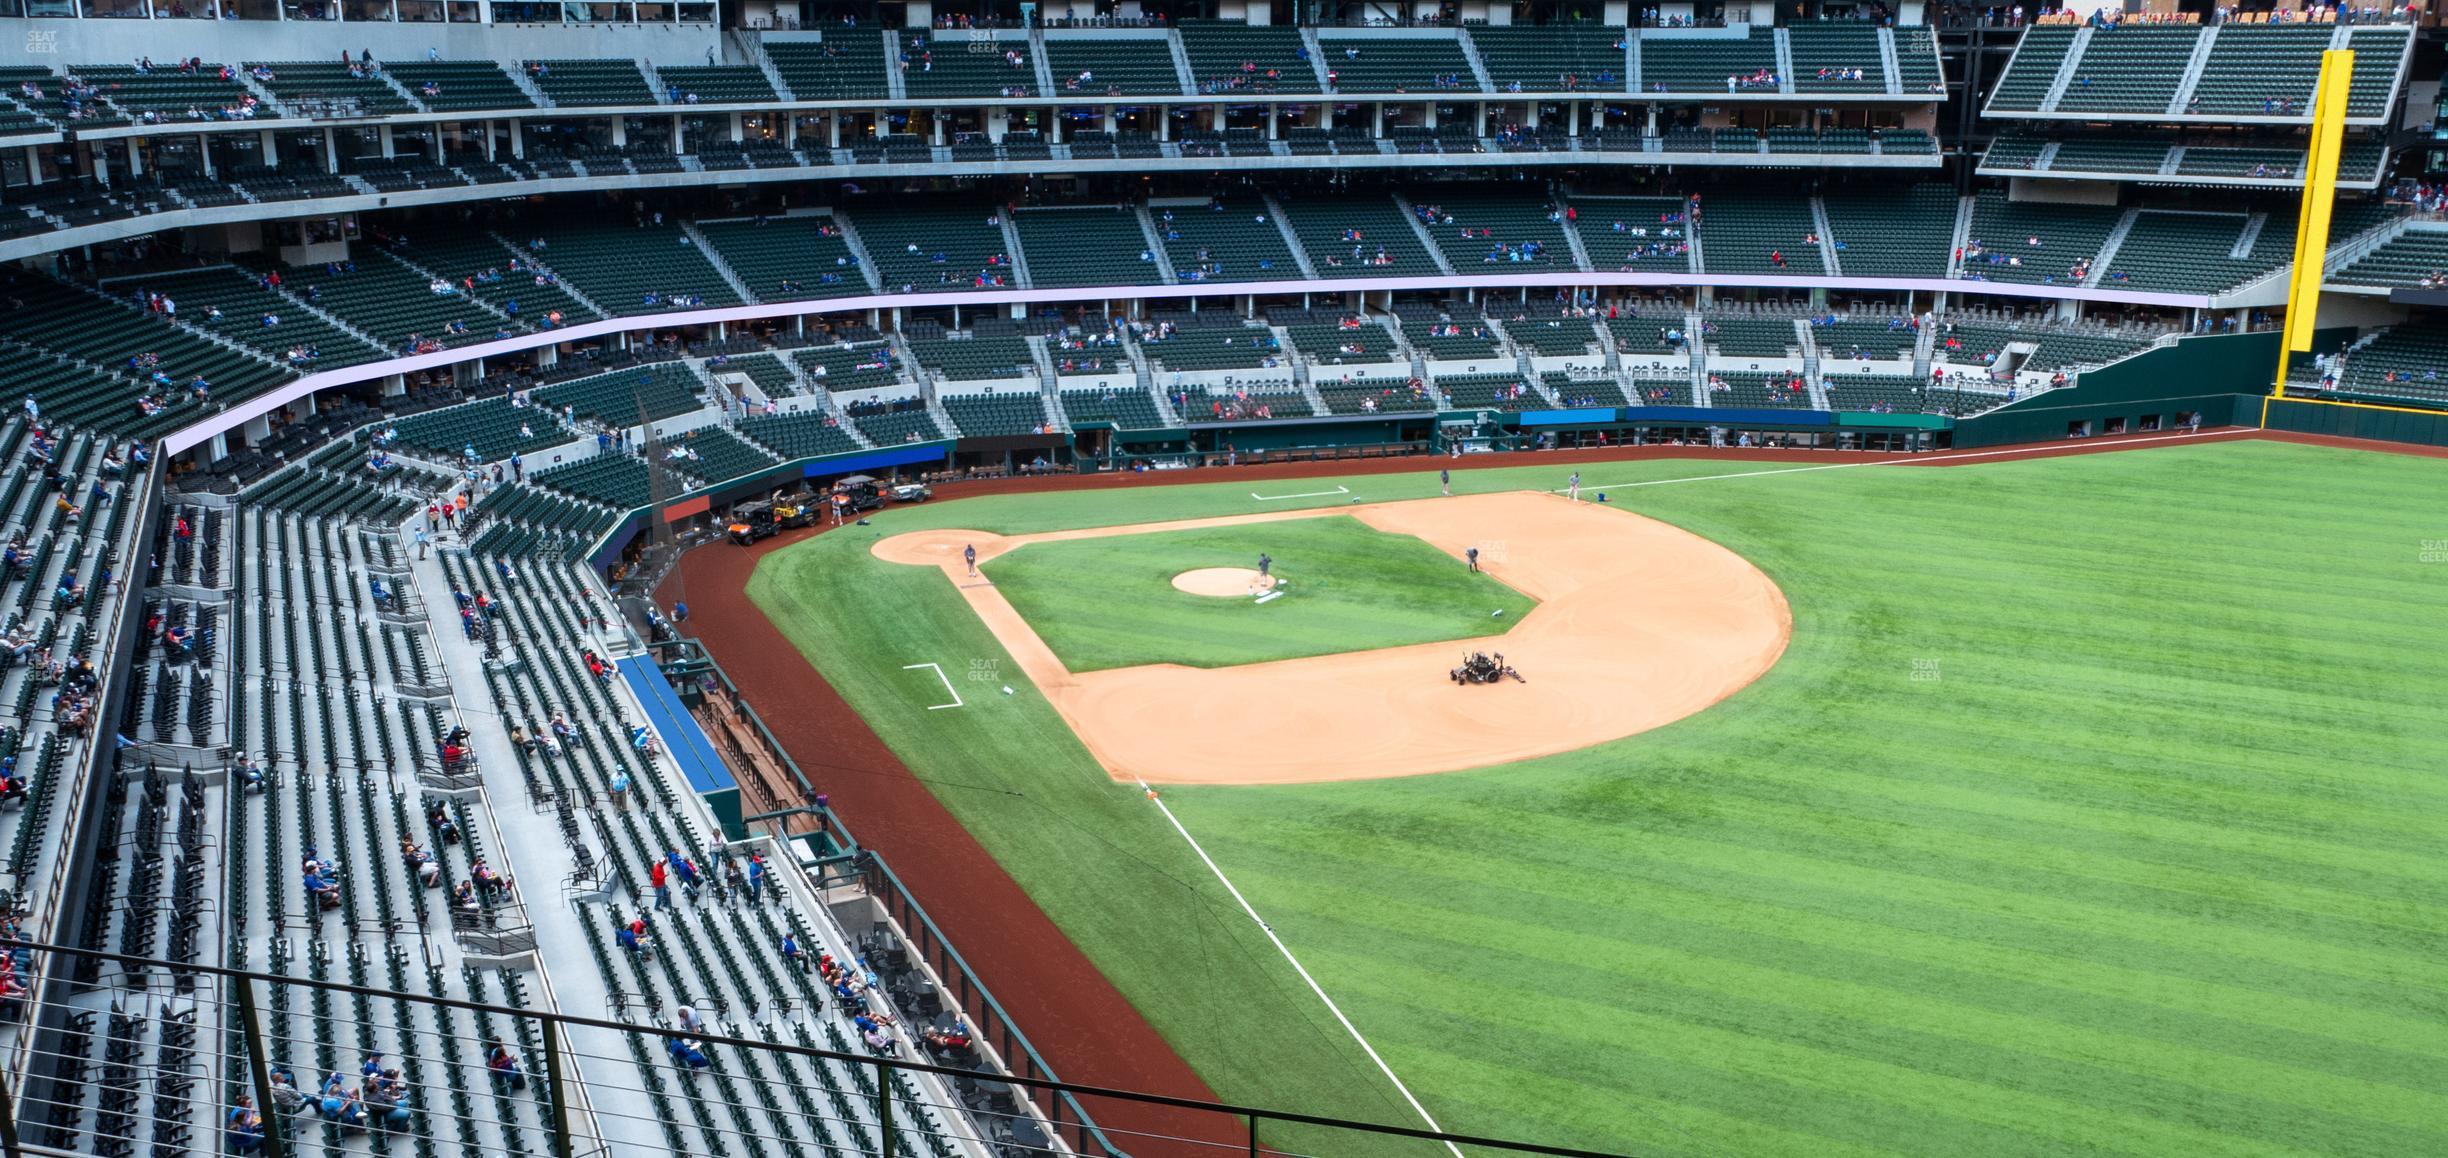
[(2354, 420)]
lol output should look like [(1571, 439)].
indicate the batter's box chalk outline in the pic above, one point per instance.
[(947, 683), (1302, 495)]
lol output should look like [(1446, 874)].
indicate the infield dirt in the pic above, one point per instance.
[(1639, 624)]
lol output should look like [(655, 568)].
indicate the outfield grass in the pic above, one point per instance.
[(1347, 586), (2096, 808)]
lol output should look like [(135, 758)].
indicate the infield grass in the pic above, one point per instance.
[(1347, 586), (2097, 808)]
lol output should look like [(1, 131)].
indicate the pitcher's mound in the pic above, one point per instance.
[(1223, 582)]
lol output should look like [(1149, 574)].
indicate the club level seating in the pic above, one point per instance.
[(1746, 234), (1837, 48), (1647, 335), (2372, 87), (716, 83), (1232, 239), (2033, 69), (1749, 337), (1382, 64), (1374, 396), (1236, 57), (528, 522), (2053, 349), (849, 367), (809, 252), (802, 435), (1482, 229), (1134, 67), (244, 303), (711, 454), (353, 497), (1218, 348), (1322, 223), (1907, 143), (1705, 63), (164, 93), (2068, 234), (847, 64), (590, 82), (1556, 58), (1127, 408), (1461, 340), (2129, 69), (1242, 404), (1675, 391), (1552, 336), (1849, 338), (1854, 141), (974, 359), (1088, 245), (923, 249), (502, 279), (1641, 244), (619, 481), (1773, 391), (394, 303), (629, 397), (2408, 361), (901, 426), (1885, 393), (1491, 391), (766, 370), (979, 415), (2251, 65), (330, 85), (98, 390), (1889, 236), (2407, 260), (460, 85), (1331, 345), (2103, 153), (1918, 70), (618, 267), (2188, 252), (492, 427), (952, 64)]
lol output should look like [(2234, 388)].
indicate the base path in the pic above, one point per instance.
[(1639, 624)]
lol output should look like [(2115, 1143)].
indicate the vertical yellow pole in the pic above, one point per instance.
[(2312, 221)]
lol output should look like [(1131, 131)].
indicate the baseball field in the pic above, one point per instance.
[(2093, 805)]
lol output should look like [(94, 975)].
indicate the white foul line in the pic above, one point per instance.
[(1286, 950), (1926, 458), (947, 682), (1304, 495)]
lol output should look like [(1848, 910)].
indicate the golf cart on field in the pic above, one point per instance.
[(858, 493), (753, 521), (912, 493), (797, 509)]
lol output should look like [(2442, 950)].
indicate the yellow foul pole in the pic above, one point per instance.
[(2319, 197)]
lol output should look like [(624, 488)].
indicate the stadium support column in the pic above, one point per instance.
[(382, 135), (2319, 196), (266, 141), (518, 140)]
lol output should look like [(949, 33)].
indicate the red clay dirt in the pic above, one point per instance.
[(1083, 1027)]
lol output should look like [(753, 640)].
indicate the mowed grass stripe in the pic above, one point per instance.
[(2038, 840), (1849, 1022), (1534, 904), (1852, 861), (1812, 1057)]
